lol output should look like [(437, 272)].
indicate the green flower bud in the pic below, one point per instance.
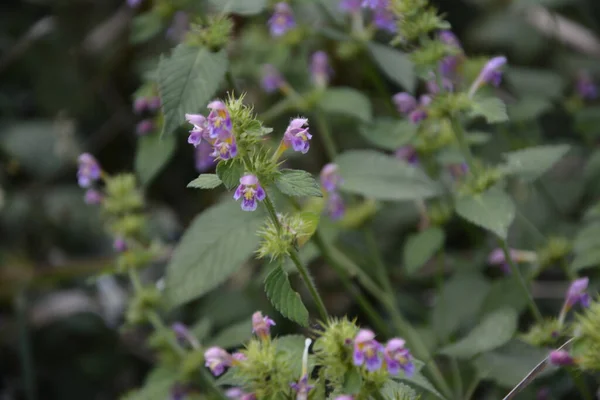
[(556, 249), (586, 349), (295, 229), (214, 34), (144, 300)]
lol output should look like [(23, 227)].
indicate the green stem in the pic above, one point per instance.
[(380, 268), (517, 272), (25, 353), (312, 289), (472, 388), (464, 146), (326, 136), (458, 383)]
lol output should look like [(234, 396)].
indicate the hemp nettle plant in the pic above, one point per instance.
[(425, 322)]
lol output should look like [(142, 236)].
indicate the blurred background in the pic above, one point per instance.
[(69, 71)]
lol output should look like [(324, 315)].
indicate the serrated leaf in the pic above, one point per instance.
[(458, 303), (493, 210), (157, 385), (152, 155), (348, 102), (509, 364), (531, 163), (290, 348), (233, 335), (295, 182), (205, 181), (144, 27), (388, 133), (381, 177), (491, 108), (230, 172), (418, 380), (215, 245), (420, 247), (240, 7), (284, 298), (395, 64), (495, 330), (187, 80)]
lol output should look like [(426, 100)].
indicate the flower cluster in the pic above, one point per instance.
[(394, 356), (406, 104), (296, 136), (89, 172), (261, 325), (330, 181), (146, 107), (382, 16), (216, 130)]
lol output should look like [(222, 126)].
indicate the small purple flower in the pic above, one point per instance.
[(238, 357), (119, 244), (375, 4), (344, 397), (398, 357), (238, 394), (320, 69), (93, 197), (217, 359), (297, 136), (586, 89), (154, 103), (302, 387), (433, 88), (204, 159), (178, 392), (492, 72), (458, 170), (449, 38), (181, 331), (417, 115), (367, 350), (89, 170), (224, 149), (405, 102), (261, 325), (271, 78), (335, 206), (144, 127), (200, 130), (350, 6), (576, 294), (249, 191), (561, 358), (330, 177), (496, 257), (219, 120), (407, 153), (134, 3), (282, 19), (140, 105), (383, 18)]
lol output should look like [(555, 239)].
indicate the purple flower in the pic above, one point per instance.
[(561, 358), (344, 397), (89, 170), (576, 294), (144, 127), (181, 331), (302, 387), (297, 136), (449, 38), (224, 149), (407, 153), (319, 69), (200, 130), (375, 4), (178, 392), (179, 26), (282, 20), (330, 177), (204, 159), (350, 6), (398, 357), (458, 170), (140, 105), (239, 394), (496, 257), (383, 18), (335, 206), (93, 197), (367, 350), (134, 3), (249, 191), (491, 73), (405, 102), (154, 103), (261, 325), (271, 78), (219, 120), (417, 116), (217, 359), (433, 88), (586, 89), (119, 244)]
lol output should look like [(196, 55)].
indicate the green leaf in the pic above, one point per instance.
[(381, 177), (284, 298), (388, 133), (587, 238), (152, 155), (157, 385), (535, 82), (495, 330), (201, 329), (295, 182), (290, 348), (509, 364), (458, 303), (503, 293), (187, 80), (528, 108), (420, 247), (395, 64), (233, 335), (348, 102), (491, 108), (240, 7), (205, 181), (144, 27), (587, 259), (352, 382), (531, 163), (493, 210), (215, 245), (396, 390), (230, 172), (419, 380)]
